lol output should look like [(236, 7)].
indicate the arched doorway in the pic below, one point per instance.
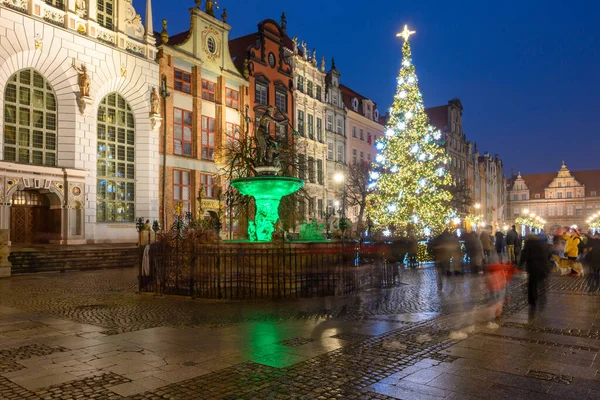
[(35, 217)]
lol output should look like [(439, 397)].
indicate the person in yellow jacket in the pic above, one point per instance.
[(572, 239)]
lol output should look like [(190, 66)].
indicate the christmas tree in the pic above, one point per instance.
[(409, 178)]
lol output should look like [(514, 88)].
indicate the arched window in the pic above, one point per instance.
[(29, 119), (116, 161)]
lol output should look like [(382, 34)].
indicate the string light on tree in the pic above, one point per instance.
[(411, 192)]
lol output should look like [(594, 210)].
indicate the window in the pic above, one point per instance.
[(183, 81), (301, 166), (578, 211), (516, 211), (560, 195), (320, 207), (330, 150), (318, 94), (105, 13), (559, 210), (369, 138), (362, 134), (320, 130), (590, 210), (208, 90), (340, 153), (232, 98), (182, 188), (369, 158), (569, 210), (523, 196), (362, 157), (208, 186), (311, 126), (300, 84), (353, 131), (515, 197), (30, 119), (559, 184), (311, 207), (329, 123), (320, 171), (339, 129), (569, 195), (537, 196), (354, 159), (593, 194), (334, 99), (311, 169), (281, 101), (551, 211), (60, 4), (233, 132), (301, 122), (182, 132), (261, 94), (115, 161), (309, 88), (208, 138)]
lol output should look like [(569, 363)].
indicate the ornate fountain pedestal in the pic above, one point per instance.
[(267, 191)]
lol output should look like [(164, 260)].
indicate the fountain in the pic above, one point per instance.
[(267, 188)]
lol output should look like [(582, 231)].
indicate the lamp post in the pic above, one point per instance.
[(339, 178), (164, 93)]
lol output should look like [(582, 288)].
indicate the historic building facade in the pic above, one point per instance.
[(364, 126), (335, 135), (206, 108), (561, 199), (309, 112), (78, 128)]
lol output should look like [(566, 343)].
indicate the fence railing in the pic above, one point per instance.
[(243, 271)]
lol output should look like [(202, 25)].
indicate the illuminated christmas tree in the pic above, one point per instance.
[(409, 178)]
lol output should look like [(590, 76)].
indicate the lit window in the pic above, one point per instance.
[(182, 132), (183, 81), (208, 186), (208, 90), (115, 166), (105, 13), (233, 132), (208, 138), (232, 98), (182, 189), (30, 119)]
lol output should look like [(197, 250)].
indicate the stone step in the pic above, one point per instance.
[(62, 260)]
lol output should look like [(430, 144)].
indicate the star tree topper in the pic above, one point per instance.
[(406, 33)]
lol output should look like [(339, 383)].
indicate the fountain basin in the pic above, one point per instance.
[(267, 191)]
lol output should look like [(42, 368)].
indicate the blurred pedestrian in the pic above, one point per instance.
[(512, 237), (474, 252), (499, 244), (572, 246), (592, 260), (535, 258), (486, 243)]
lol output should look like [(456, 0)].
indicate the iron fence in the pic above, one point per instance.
[(242, 271)]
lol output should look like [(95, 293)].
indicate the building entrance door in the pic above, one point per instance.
[(31, 219)]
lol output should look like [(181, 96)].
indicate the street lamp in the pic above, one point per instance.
[(477, 206)]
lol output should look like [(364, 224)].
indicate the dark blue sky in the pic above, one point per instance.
[(527, 72)]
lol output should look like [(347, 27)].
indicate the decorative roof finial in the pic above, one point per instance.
[(198, 3), (164, 36), (224, 15), (283, 21), (406, 33), (323, 64), (333, 63)]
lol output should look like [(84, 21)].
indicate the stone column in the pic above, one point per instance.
[(5, 265)]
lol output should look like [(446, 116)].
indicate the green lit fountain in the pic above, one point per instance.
[(267, 188)]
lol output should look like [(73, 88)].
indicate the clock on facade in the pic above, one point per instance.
[(272, 60)]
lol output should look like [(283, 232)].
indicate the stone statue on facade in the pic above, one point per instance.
[(80, 8), (295, 44), (246, 70), (314, 57), (304, 53), (323, 64), (210, 8), (84, 81), (154, 102)]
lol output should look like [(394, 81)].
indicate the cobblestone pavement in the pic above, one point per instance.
[(88, 335)]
